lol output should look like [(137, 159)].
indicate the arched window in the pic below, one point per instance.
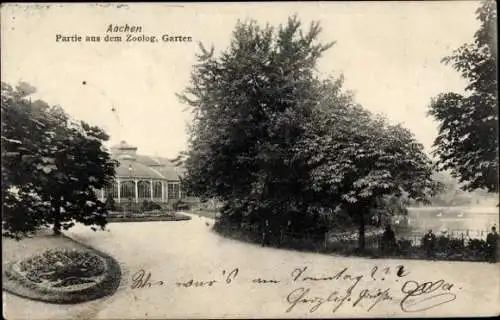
[(144, 189), (173, 191), (127, 190), (157, 189)]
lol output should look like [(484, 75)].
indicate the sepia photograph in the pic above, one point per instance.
[(248, 160)]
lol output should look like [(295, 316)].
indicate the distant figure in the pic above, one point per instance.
[(466, 239), (286, 231), (388, 240), (429, 242), (492, 245), (266, 233)]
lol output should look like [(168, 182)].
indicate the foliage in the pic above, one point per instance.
[(63, 276), (388, 207), (148, 205), (110, 203), (467, 143), (51, 166), (359, 161), (250, 105), (63, 268), (451, 193), (128, 207), (275, 143), (180, 205)]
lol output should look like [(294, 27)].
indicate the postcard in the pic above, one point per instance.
[(249, 160)]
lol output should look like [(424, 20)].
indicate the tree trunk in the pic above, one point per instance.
[(57, 228), (361, 234), (57, 219), (57, 224)]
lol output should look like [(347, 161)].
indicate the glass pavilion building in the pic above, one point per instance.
[(142, 177)]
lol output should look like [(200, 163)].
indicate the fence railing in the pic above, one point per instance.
[(373, 238), (453, 246)]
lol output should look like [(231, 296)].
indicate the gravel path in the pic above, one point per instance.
[(188, 250)]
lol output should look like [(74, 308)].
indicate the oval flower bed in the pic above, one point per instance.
[(63, 276)]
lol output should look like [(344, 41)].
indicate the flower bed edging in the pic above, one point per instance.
[(16, 284)]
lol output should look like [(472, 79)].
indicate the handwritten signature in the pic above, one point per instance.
[(427, 295)]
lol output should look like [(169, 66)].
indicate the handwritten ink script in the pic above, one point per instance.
[(310, 292)]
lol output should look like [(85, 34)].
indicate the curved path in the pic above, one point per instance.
[(187, 250)]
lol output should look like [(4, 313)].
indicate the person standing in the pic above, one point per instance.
[(266, 233), (286, 231), (466, 239), (492, 245), (429, 242), (388, 240)]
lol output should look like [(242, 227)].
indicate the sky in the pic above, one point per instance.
[(388, 52)]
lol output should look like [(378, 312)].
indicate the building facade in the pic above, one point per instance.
[(141, 177)]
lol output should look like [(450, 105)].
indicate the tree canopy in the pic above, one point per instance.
[(467, 143), (274, 141), (357, 159), (51, 165)]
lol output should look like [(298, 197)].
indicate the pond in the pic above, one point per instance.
[(476, 220)]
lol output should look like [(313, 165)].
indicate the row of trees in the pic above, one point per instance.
[(51, 166), (275, 142), (270, 139)]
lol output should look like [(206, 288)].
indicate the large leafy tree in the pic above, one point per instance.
[(467, 143), (274, 142), (250, 106), (357, 159), (51, 166)]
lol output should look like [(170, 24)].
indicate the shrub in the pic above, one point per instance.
[(60, 266), (180, 205), (148, 205), (456, 245), (405, 246)]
